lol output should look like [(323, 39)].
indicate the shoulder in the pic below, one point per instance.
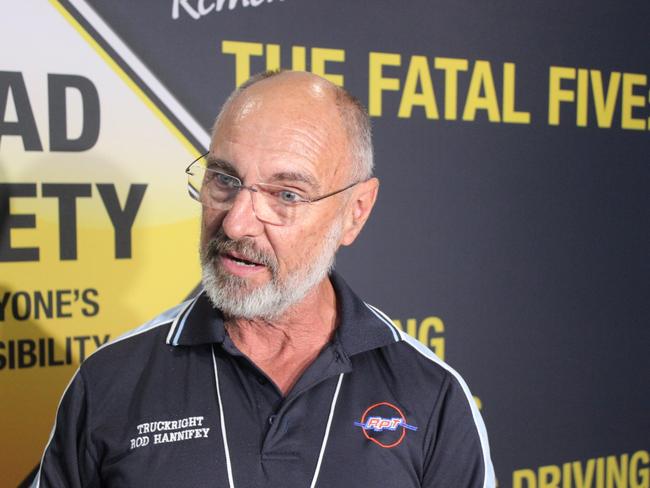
[(406, 354), (135, 343)]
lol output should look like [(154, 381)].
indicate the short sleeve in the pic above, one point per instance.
[(68, 460), (458, 454)]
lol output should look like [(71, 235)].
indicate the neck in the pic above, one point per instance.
[(285, 347)]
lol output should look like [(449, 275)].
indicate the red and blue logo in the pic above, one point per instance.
[(384, 424)]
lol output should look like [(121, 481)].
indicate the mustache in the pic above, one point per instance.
[(221, 244)]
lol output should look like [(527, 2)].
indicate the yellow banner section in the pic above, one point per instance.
[(627, 470), (98, 233)]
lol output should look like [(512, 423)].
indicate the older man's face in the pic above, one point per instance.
[(284, 131)]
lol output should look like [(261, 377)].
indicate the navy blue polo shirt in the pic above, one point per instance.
[(175, 403)]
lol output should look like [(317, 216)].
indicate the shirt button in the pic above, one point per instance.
[(271, 419), (261, 380)]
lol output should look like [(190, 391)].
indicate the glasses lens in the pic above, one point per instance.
[(276, 204), (212, 188)]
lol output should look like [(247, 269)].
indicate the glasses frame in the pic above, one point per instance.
[(240, 186)]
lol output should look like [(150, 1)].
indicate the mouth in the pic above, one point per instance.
[(237, 265), (238, 258), (241, 260)]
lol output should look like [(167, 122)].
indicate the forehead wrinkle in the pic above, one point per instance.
[(305, 138), (291, 144), (272, 151), (307, 141)]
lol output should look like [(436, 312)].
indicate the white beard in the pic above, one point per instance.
[(231, 294)]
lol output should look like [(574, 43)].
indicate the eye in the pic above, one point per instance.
[(288, 196), (226, 181)]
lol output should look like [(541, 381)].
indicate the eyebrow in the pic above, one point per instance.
[(294, 176), (222, 165)]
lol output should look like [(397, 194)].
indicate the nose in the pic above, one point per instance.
[(240, 220)]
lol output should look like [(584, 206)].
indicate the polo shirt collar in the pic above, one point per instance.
[(361, 327)]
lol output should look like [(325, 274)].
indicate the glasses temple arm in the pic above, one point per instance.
[(334, 192)]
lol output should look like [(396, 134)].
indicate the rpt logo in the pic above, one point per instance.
[(384, 424), (379, 423)]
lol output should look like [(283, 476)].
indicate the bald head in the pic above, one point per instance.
[(295, 93)]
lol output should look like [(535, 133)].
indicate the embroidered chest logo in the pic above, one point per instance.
[(165, 431), (384, 424)]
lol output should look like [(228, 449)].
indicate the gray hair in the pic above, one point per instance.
[(353, 115)]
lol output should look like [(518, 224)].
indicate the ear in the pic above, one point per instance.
[(358, 209)]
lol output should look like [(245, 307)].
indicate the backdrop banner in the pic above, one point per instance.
[(511, 234)]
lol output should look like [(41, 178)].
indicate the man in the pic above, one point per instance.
[(277, 374)]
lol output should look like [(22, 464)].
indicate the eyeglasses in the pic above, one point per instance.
[(273, 204)]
